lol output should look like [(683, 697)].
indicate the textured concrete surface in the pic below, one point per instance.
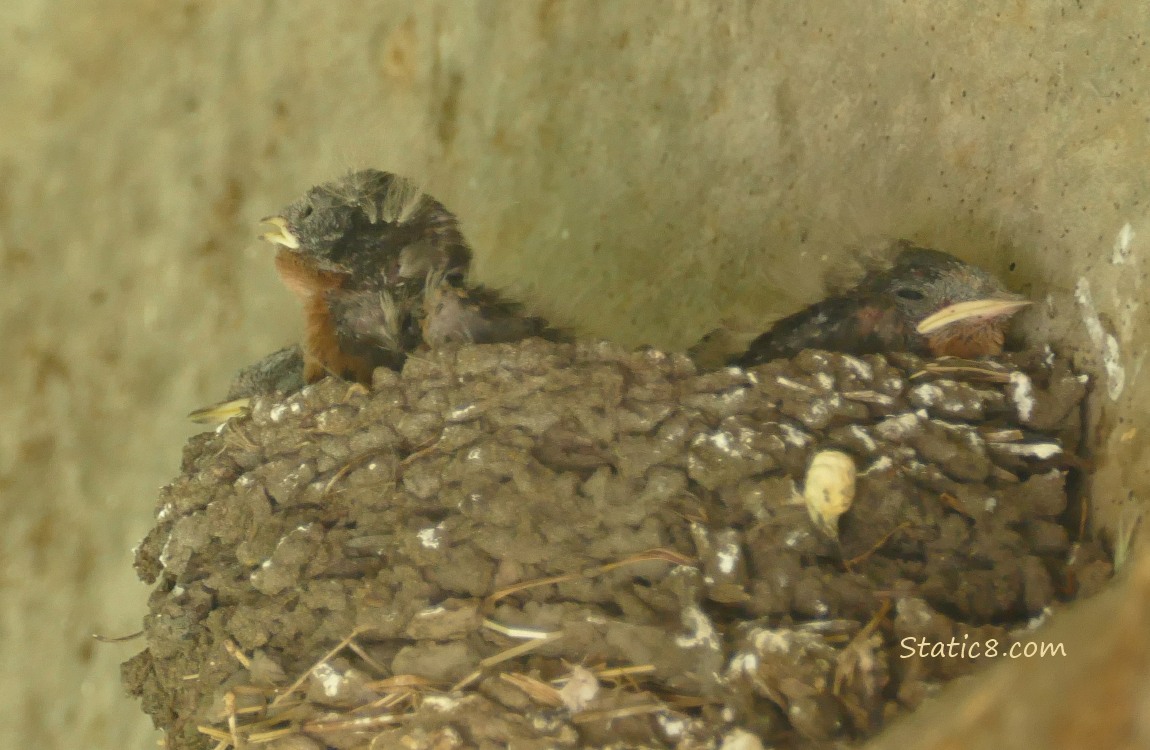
[(641, 169)]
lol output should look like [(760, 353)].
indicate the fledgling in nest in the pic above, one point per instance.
[(926, 301), (358, 252)]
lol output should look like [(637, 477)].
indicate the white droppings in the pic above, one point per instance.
[(788, 383), (372, 466), (990, 504), (461, 413), (733, 397), (296, 408), (861, 435), (817, 410), (701, 633), (899, 426), (1115, 373), (439, 703), (926, 394), (672, 726), (1122, 242), (329, 679), (277, 412), (882, 464), (773, 641), (860, 368), (1030, 450), (1106, 342), (1035, 622), (869, 397), (793, 538), (1021, 391), (473, 454), (721, 440), (740, 739), (1047, 355), (793, 436), (430, 538), (728, 556), (743, 663)]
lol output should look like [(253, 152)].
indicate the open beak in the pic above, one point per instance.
[(282, 235), (979, 309)]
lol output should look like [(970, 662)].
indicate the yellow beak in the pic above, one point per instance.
[(282, 235), (221, 412), (974, 309)]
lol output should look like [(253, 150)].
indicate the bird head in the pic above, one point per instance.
[(958, 308), (371, 224)]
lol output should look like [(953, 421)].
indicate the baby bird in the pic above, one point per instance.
[(358, 252), (928, 302)]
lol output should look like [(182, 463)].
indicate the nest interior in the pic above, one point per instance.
[(567, 545)]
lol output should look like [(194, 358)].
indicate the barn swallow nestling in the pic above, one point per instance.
[(279, 372), (928, 302), (357, 252)]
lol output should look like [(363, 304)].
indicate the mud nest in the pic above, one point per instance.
[(556, 546)]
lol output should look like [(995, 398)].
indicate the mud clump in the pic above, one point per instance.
[(571, 545)]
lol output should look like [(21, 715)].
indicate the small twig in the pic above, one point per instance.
[(512, 632), (236, 653), (617, 713), (659, 553), (215, 734), (537, 690), (849, 564), (402, 681), (303, 677), (347, 468), (611, 674), (352, 725), (503, 656), (261, 738), (841, 671), (359, 651), (230, 709), (117, 638), (519, 650), (951, 502)]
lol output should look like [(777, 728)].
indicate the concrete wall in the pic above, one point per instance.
[(642, 170)]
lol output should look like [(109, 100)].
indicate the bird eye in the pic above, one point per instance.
[(306, 212), (909, 294)]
